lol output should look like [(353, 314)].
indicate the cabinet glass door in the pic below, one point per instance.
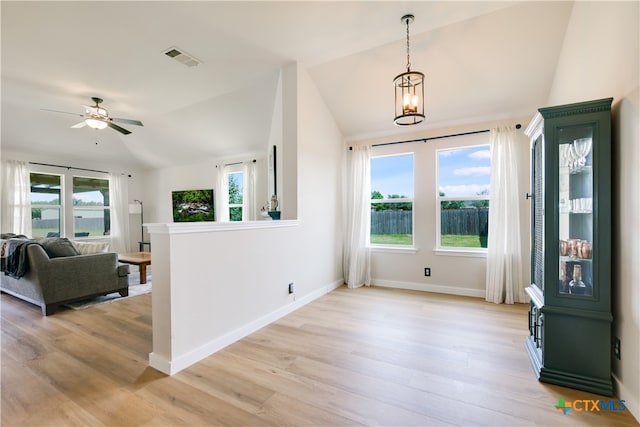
[(575, 210)]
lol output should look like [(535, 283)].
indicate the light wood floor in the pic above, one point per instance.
[(368, 356)]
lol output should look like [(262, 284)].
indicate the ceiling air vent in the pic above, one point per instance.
[(182, 57)]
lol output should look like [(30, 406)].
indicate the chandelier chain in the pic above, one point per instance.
[(408, 61)]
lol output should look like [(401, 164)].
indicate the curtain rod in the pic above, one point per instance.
[(72, 167), (518, 126), (237, 163)]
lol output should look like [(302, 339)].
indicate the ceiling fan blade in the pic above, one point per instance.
[(79, 125), (118, 128), (63, 112), (128, 121)]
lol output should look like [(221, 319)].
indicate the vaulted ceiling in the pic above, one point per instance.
[(483, 61)]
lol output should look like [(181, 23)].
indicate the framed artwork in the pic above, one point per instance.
[(193, 205)]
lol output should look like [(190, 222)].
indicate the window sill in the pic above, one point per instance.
[(394, 249), (470, 253)]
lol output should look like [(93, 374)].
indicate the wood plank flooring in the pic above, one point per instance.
[(369, 356)]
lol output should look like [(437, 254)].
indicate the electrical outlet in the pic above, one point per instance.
[(427, 271), (616, 347), (291, 288)]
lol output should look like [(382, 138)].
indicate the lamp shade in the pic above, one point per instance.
[(135, 208), (409, 98), (96, 124)]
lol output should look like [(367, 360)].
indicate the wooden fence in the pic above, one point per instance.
[(468, 222), (391, 222), (465, 222)]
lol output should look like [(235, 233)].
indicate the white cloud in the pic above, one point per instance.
[(447, 153), (480, 155), (478, 170)]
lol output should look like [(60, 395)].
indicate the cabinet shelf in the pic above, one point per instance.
[(574, 259), (575, 171)]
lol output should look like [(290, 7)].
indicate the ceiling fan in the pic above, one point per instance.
[(97, 117)]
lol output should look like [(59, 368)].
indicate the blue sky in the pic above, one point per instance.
[(461, 172), (464, 172), (392, 175)]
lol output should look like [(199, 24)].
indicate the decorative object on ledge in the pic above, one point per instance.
[(409, 90), (272, 205)]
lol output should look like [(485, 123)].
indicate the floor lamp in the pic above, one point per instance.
[(136, 208)]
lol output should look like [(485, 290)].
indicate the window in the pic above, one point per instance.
[(91, 212), (235, 183), (463, 197), (392, 200), (46, 205), (79, 204)]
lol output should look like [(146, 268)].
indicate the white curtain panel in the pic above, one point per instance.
[(222, 194), (249, 191), (357, 254), (15, 211), (504, 258), (119, 201)]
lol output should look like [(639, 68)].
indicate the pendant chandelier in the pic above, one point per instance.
[(409, 90)]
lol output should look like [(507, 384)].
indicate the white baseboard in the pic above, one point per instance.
[(183, 361), (630, 401), (428, 287)]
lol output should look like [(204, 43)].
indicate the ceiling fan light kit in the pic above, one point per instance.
[(95, 124), (97, 117), (409, 90)]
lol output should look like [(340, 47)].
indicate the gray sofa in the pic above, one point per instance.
[(50, 282)]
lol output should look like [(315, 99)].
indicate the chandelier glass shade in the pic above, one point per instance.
[(409, 91)]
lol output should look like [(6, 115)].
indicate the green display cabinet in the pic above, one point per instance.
[(569, 340)]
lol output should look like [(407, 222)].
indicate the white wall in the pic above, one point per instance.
[(455, 273), (599, 59), (214, 285), (159, 183)]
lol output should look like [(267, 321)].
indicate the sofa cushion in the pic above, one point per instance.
[(84, 248), (58, 247)]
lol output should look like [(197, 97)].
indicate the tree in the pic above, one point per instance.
[(451, 204), (402, 206), (235, 198), (235, 193), (377, 195), (479, 204)]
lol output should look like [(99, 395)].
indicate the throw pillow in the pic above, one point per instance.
[(91, 247), (58, 247)]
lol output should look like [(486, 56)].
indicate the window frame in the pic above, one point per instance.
[(387, 247), (67, 222), (106, 209), (236, 170), (456, 250), (60, 206)]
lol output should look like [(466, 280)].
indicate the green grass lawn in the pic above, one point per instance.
[(391, 239), (448, 240), (456, 241)]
